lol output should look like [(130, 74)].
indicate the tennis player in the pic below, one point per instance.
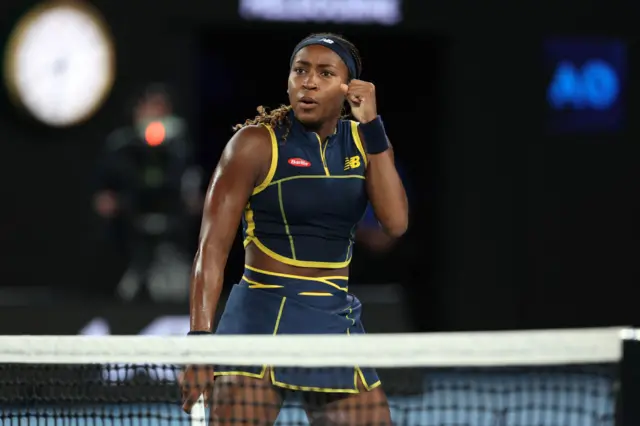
[(300, 178)]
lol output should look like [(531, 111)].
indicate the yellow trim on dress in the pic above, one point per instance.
[(256, 284), (275, 182), (251, 224), (356, 138), (322, 154), (274, 162), (324, 280), (294, 262), (286, 224)]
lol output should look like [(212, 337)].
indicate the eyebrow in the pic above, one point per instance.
[(307, 63)]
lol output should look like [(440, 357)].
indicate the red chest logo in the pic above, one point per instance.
[(299, 162)]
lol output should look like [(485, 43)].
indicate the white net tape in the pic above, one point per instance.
[(539, 347), (574, 394)]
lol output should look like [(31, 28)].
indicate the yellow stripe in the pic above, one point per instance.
[(251, 224), (274, 162), (324, 280), (286, 225), (313, 293), (358, 370), (300, 263), (317, 177), (322, 151), (324, 157), (256, 284), (309, 388), (241, 373), (364, 381), (356, 138), (275, 329)]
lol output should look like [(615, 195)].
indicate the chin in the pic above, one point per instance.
[(309, 119)]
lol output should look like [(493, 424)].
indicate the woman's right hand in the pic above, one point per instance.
[(195, 381)]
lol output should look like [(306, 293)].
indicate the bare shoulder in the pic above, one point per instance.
[(247, 155), (252, 141)]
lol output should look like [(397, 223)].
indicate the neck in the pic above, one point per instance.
[(325, 129)]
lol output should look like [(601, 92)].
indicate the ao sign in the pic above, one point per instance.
[(173, 325), (586, 88), (593, 85)]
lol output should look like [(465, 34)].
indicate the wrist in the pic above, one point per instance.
[(366, 120), (375, 136)]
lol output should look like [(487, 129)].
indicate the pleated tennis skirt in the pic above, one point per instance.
[(270, 303)]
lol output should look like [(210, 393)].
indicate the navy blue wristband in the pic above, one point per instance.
[(198, 333), (375, 137)]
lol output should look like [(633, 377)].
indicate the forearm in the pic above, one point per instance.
[(384, 186), (386, 193), (206, 285)]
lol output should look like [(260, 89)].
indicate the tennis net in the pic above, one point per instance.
[(530, 378)]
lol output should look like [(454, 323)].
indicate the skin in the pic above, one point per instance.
[(319, 74)]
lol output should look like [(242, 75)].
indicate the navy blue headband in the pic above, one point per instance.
[(334, 45)]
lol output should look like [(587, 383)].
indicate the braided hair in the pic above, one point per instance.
[(279, 117)]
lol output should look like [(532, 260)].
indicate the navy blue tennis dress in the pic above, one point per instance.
[(304, 214)]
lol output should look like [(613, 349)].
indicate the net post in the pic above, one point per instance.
[(198, 414), (628, 410)]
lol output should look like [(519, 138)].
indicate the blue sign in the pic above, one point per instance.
[(585, 92)]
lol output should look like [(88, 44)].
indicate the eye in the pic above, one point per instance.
[(327, 73), (298, 70)]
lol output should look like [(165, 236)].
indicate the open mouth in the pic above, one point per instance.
[(307, 102)]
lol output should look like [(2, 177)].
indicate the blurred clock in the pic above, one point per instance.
[(60, 62)]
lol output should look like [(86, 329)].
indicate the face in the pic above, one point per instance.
[(314, 85)]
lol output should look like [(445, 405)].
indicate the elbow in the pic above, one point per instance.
[(396, 228)]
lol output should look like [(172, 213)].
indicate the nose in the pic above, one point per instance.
[(309, 82)]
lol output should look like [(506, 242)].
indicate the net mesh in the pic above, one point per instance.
[(534, 378)]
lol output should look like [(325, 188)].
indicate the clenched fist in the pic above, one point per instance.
[(361, 95)]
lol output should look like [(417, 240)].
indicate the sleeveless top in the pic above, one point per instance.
[(306, 210)]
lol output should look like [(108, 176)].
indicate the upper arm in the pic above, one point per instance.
[(243, 161)]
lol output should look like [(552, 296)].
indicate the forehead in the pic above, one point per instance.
[(317, 54)]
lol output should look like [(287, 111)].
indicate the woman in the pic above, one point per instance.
[(300, 177)]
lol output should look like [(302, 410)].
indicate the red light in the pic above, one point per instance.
[(155, 133)]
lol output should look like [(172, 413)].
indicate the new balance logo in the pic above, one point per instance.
[(351, 163), (327, 40)]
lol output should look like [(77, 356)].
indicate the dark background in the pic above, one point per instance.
[(511, 226)]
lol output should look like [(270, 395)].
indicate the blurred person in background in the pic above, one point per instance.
[(148, 194)]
